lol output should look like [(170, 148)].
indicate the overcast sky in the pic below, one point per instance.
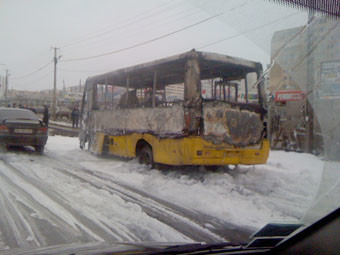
[(83, 28)]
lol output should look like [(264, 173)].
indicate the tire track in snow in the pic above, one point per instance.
[(18, 222), (36, 216), (162, 210), (152, 208), (118, 231)]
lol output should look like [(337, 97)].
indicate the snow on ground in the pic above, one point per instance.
[(62, 122), (248, 196), (109, 211)]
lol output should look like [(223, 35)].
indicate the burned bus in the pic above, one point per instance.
[(132, 112)]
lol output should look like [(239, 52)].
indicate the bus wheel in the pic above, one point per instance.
[(211, 167), (145, 156), (106, 146)]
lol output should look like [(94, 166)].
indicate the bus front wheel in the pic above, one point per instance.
[(145, 156)]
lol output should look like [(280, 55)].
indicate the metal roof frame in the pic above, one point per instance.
[(171, 70)]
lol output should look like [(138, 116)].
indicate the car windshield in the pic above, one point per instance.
[(168, 121)]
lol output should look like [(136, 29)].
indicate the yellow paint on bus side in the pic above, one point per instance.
[(192, 150)]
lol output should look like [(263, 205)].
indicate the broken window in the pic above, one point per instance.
[(234, 89), (107, 96), (174, 93)]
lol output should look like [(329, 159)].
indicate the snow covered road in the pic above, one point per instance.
[(69, 196)]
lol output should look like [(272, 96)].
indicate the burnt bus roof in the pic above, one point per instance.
[(170, 70)]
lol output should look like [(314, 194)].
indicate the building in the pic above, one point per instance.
[(77, 88), (174, 92), (308, 61)]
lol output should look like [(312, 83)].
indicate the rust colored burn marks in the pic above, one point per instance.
[(232, 126)]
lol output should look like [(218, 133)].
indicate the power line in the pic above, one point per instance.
[(83, 71), (34, 57), (247, 31), (186, 13), (146, 42), (115, 28), (169, 19), (29, 74), (35, 80)]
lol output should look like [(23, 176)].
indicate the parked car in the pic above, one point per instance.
[(22, 127)]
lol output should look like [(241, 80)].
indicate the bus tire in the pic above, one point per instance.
[(88, 142), (106, 146), (212, 168), (145, 156)]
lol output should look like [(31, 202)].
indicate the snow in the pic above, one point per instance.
[(61, 122), (248, 196), (69, 195)]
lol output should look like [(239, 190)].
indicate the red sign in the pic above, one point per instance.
[(292, 95)]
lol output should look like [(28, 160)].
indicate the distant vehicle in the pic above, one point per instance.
[(63, 112), (74, 96), (21, 127)]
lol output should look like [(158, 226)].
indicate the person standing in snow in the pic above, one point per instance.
[(46, 115), (75, 116)]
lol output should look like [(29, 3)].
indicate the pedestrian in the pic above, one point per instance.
[(46, 115), (75, 116)]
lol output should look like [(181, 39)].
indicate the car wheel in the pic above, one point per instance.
[(145, 156), (39, 148)]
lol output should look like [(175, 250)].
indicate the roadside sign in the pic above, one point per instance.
[(330, 80), (291, 95)]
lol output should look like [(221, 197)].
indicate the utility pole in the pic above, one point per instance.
[(309, 87), (54, 104), (64, 88), (6, 84)]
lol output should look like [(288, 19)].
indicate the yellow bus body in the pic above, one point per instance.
[(191, 150)]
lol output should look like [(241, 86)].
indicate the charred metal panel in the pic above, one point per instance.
[(222, 123), (159, 121), (192, 82), (192, 93)]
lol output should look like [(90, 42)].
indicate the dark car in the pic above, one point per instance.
[(21, 127)]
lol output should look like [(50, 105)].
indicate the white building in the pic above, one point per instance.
[(174, 92)]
